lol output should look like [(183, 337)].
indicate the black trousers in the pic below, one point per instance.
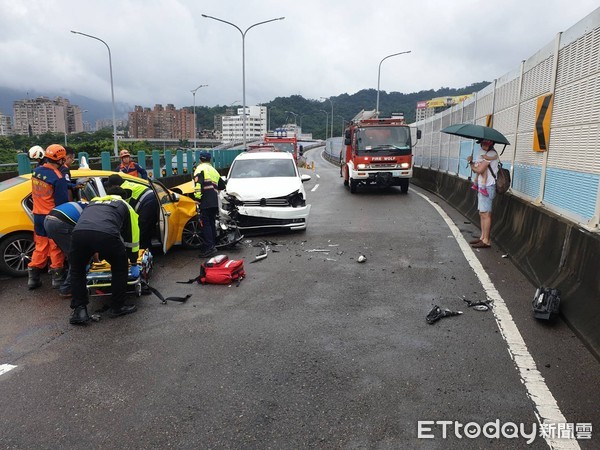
[(148, 217), (208, 217), (84, 243)]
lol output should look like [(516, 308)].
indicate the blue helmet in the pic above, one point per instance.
[(205, 156)]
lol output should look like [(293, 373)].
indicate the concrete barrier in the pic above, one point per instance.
[(550, 250)]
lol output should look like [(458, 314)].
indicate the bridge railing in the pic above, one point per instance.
[(158, 164)]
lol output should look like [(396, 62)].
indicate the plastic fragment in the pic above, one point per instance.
[(438, 313)]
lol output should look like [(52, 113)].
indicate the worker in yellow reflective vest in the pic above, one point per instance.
[(108, 225), (207, 183), (144, 202)]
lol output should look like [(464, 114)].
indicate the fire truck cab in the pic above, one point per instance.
[(283, 141), (377, 151)]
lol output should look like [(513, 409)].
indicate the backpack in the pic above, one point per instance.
[(502, 178), (220, 270)]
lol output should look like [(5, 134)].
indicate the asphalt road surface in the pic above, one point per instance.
[(313, 349)]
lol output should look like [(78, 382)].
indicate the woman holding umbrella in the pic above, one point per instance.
[(484, 202)]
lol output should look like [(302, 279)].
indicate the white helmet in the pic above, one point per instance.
[(36, 152)]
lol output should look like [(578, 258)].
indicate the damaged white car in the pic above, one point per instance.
[(267, 190)]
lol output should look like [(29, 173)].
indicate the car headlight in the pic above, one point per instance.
[(404, 165), (296, 199), (361, 166)]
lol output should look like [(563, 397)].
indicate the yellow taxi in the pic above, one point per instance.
[(177, 225)]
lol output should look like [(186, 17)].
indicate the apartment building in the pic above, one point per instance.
[(42, 115), (161, 123), (6, 128), (256, 124)]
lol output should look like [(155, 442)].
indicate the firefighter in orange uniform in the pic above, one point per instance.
[(129, 167), (49, 189)]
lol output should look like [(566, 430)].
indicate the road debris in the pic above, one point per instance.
[(361, 259), (317, 250), (483, 305), (438, 313)]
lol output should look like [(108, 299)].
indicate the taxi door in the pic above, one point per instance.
[(166, 216)]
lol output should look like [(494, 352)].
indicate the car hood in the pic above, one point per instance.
[(257, 188)]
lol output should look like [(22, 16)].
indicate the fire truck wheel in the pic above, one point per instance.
[(404, 185), (353, 185)]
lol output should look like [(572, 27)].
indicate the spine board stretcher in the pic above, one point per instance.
[(99, 276)]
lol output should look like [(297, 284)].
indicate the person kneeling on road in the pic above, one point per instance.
[(108, 225)]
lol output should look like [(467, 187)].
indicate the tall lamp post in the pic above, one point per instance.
[(294, 114), (67, 122), (324, 98), (243, 33), (269, 114), (379, 77), (193, 91), (112, 90), (326, 121), (343, 123)]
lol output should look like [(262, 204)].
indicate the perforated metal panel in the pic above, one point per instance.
[(526, 180), (575, 59), (507, 95), (537, 80), (576, 148)]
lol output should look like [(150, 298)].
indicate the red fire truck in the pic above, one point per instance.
[(283, 141), (377, 151)]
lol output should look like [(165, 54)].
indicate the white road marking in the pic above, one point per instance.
[(545, 403), (6, 368), (315, 188)]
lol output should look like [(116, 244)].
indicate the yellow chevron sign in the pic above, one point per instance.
[(543, 114)]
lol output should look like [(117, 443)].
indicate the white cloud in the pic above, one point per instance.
[(161, 49)]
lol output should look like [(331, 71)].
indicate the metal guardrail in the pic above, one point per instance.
[(157, 164)]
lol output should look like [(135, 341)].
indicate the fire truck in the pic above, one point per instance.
[(377, 151), (283, 141)]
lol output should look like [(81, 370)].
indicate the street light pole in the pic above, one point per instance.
[(379, 77), (243, 33), (112, 90), (326, 121), (323, 98), (193, 91), (269, 117), (67, 122)]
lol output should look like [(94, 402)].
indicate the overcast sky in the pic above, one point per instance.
[(162, 49)]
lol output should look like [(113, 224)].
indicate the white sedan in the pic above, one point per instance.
[(268, 192)]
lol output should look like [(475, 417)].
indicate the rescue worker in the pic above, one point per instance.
[(144, 202), (36, 153), (65, 169), (49, 189), (129, 167), (108, 225), (207, 181), (59, 224)]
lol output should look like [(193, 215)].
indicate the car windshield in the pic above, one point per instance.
[(385, 141), (262, 168)]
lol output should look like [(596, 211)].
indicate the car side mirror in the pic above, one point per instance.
[(175, 197), (304, 177)]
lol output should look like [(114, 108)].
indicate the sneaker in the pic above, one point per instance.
[(122, 310), (208, 253), (483, 191)]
